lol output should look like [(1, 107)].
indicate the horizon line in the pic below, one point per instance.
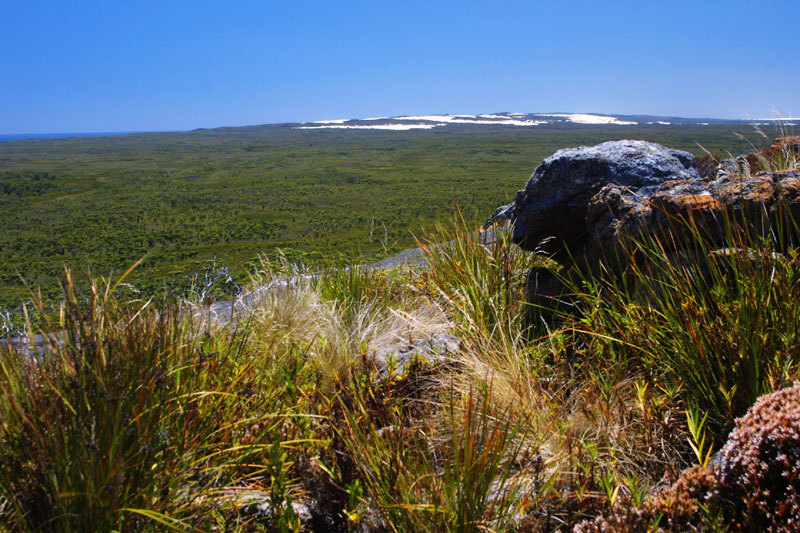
[(68, 134)]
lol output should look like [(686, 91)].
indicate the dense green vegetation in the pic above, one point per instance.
[(184, 201)]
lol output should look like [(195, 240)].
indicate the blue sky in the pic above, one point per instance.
[(75, 66)]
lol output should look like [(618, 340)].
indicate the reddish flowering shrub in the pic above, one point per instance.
[(685, 506), (693, 499), (754, 487), (759, 472)]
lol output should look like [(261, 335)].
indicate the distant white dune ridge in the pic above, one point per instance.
[(426, 122), (368, 127), (582, 118)]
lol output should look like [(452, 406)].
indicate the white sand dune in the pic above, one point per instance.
[(506, 122), (426, 126), (584, 118), (426, 122), (435, 118), (473, 119), (367, 127)]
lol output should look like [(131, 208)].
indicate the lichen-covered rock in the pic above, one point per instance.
[(585, 202), (617, 212), (783, 152), (759, 470), (556, 197), (433, 349)]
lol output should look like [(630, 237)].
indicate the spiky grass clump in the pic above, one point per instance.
[(780, 154), (419, 478), (721, 324), (591, 441), (477, 278), (130, 418), (343, 319)]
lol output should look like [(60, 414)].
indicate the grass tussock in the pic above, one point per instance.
[(132, 417), (460, 472), (306, 414), (720, 324)]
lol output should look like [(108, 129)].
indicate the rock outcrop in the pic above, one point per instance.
[(586, 201), (662, 211), (782, 152), (557, 195)]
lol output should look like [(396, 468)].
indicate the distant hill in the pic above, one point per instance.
[(519, 120), (24, 136), (427, 122)]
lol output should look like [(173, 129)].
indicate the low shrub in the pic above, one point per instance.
[(759, 470)]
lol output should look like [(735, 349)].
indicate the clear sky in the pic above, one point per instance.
[(142, 65)]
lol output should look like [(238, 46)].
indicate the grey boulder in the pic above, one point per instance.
[(549, 215)]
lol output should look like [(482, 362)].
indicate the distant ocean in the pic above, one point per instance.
[(22, 136)]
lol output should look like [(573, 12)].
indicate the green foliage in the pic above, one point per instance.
[(284, 519), (25, 183), (141, 419), (131, 417), (478, 277), (353, 288), (722, 324), (464, 482), (144, 418)]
